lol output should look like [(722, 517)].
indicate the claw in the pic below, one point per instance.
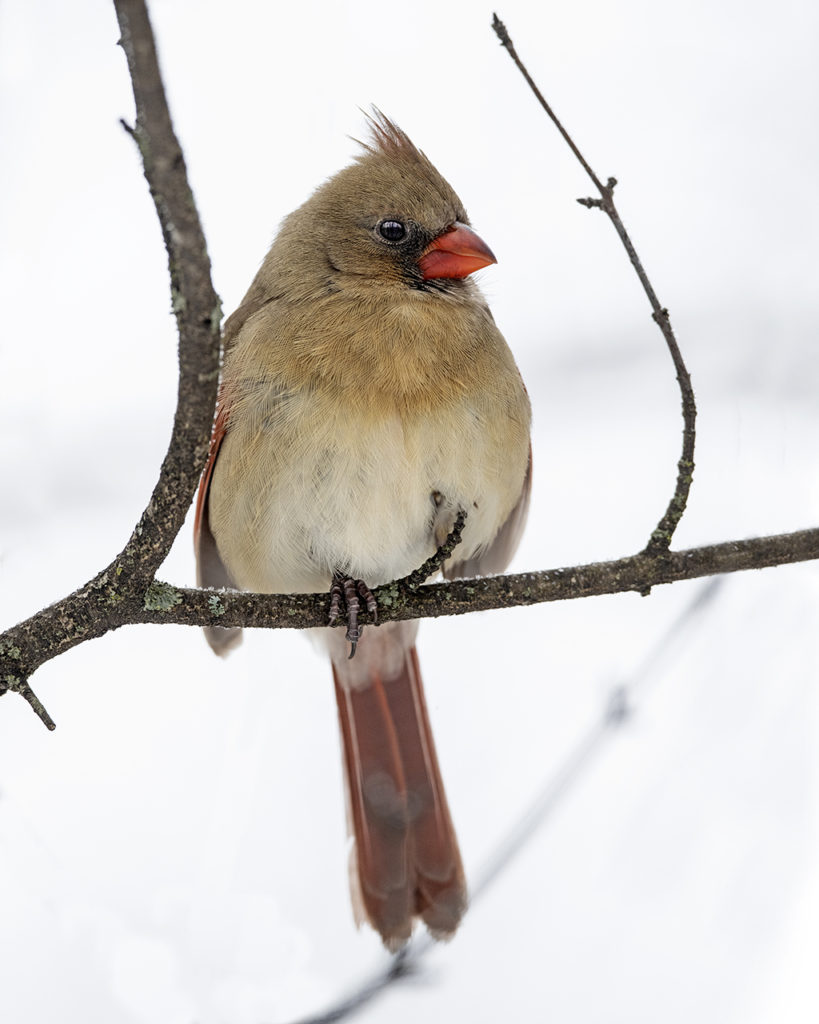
[(368, 597), (348, 590), (336, 594)]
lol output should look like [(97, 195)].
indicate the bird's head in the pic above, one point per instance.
[(391, 217)]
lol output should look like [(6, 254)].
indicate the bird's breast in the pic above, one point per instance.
[(359, 424), (322, 482)]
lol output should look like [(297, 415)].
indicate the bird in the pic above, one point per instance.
[(367, 397)]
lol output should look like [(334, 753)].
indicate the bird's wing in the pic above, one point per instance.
[(496, 556), (210, 570)]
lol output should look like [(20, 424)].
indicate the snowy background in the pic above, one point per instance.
[(175, 852)]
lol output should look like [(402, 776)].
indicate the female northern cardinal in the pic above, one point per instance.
[(367, 396)]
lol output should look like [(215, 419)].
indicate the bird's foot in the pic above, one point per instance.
[(348, 590)]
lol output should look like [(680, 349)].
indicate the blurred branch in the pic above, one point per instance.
[(618, 707), (126, 591), (663, 533)]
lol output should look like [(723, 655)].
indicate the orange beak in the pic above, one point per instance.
[(458, 252)]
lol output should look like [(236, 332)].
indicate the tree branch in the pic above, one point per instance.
[(194, 300), (638, 573), (115, 595), (165, 603), (663, 533)]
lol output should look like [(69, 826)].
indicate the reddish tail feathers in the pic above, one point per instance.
[(406, 858)]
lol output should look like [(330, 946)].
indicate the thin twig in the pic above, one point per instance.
[(17, 685), (436, 561), (663, 533)]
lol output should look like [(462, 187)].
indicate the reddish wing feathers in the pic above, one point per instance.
[(202, 536), (210, 569), (216, 438)]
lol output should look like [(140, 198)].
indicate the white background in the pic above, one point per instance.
[(175, 852)]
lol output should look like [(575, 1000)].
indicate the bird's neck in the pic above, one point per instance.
[(396, 341), (394, 345)]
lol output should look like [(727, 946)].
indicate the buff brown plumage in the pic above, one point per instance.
[(367, 396)]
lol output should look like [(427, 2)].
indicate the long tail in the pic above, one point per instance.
[(406, 858)]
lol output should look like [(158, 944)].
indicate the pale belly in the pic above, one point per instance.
[(313, 490)]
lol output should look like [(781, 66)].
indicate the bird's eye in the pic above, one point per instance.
[(392, 230)]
